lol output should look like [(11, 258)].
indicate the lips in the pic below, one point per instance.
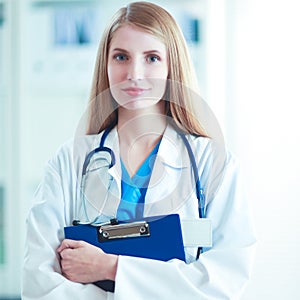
[(135, 91)]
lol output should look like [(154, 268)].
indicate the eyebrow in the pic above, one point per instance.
[(145, 52)]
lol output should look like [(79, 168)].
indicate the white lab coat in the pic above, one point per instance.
[(220, 273)]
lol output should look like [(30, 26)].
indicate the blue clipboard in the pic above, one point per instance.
[(157, 238)]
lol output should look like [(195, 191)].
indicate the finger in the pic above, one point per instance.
[(65, 266), (66, 253), (66, 243)]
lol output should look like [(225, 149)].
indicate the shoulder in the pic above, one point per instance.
[(213, 157), (207, 149)]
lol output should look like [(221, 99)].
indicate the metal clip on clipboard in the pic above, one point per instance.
[(125, 230)]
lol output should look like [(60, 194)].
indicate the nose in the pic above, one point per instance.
[(135, 70)]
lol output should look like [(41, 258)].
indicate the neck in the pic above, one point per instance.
[(141, 126)]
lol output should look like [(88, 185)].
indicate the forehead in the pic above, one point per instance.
[(131, 37)]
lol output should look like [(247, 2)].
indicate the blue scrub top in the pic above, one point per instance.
[(133, 190)]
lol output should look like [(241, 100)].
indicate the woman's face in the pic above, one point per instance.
[(137, 68)]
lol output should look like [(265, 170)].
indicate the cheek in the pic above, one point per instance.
[(161, 72), (115, 75)]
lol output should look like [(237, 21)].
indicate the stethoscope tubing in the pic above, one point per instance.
[(98, 149), (199, 190)]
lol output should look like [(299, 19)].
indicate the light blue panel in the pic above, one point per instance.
[(2, 245)]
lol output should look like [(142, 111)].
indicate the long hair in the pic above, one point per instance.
[(157, 21)]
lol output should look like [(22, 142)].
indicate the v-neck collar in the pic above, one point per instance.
[(144, 169), (169, 153)]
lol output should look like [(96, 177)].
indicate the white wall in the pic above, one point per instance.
[(253, 87), (267, 134)]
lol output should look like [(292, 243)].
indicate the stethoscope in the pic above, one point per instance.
[(111, 163)]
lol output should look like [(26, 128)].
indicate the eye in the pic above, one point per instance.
[(120, 57), (153, 58)]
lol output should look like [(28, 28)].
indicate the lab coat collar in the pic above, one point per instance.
[(114, 190), (169, 183), (171, 149)]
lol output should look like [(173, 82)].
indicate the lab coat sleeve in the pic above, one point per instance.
[(41, 273), (220, 273)]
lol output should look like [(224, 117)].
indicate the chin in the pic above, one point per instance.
[(141, 104)]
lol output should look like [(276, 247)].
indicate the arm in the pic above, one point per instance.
[(220, 273), (41, 274)]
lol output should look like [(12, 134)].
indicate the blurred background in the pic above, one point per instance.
[(246, 54)]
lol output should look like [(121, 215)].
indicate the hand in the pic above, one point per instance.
[(85, 263)]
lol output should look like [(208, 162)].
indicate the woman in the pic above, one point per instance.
[(141, 98)]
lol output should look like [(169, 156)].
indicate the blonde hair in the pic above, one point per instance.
[(157, 21)]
